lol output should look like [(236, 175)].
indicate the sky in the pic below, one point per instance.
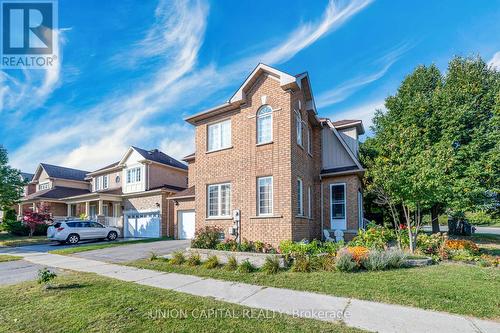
[(130, 71)]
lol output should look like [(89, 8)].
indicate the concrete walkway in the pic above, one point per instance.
[(366, 315)]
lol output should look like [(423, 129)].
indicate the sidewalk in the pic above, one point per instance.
[(366, 315)]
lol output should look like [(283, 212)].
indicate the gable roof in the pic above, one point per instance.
[(55, 171), (187, 193), (346, 123), (287, 81), (155, 155), (27, 177), (58, 192)]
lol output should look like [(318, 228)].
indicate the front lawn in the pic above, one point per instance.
[(455, 288), (7, 239), (90, 247), (89, 303), (6, 257)]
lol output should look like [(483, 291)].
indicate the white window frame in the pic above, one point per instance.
[(218, 126), (260, 118), (309, 140), (309, 202), (133, 175), (298, 128), (344, 219), (219, 200), (271, 196), (105, 182), (300, 197), (43, 186)]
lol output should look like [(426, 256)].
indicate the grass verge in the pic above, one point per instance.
[(8, 240), (455, 288), (6, 257), (97, 304), (90, 247)]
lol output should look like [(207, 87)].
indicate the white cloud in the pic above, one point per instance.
[(495, 61), (102, 133), (346, 89)]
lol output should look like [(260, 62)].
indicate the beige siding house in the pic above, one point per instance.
[(266, 157)]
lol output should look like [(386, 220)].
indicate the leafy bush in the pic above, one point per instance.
[(207, 238), (374, 237), (9, 215), (467, 245), (461, 255), (246, 267), (153, 256), (345, 262), (313, 248), (327, 262), (430, 244), (358, 253), (302, 263), (259, 246), (231, 264), (488, 260), (45, 276), (18, 228), (395, 258), (246, 246), (193, 259), (212, 262), (375, 261), (227, 245), (271, 265), (177, 258)]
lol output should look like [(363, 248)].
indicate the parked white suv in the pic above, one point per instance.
[(72, 232)]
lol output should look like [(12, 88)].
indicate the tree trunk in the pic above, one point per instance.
[(435, 219)]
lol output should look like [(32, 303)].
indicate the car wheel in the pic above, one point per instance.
[(112, 235), (73, 239)]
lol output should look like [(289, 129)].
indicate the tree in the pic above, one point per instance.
[(427, 153), (34, 218), (11, 182)]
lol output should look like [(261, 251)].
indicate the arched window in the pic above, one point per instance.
[(264, 124)]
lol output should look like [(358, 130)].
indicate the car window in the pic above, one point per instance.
[(57, 225), (72, 224), (96, 225), (84, 225)]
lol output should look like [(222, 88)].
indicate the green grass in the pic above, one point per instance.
[(90, 247), (89, 303), (455, 288), (5, 257), (9, 240)]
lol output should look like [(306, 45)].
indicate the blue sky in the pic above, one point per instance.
[(131, 71)]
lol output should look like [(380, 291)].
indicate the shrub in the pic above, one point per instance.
[(193, 259), (212, 262), (395, 258), (45, 276), (246, 267), (227, 245), (358, 253), (271, 265), (259, 246), (374, 237), (430, 244), (461, 255), (331, 247), (153, 256), (327, 262), (177, 258), (246, 246), (207, 238), (231, 264), (18, 228), (302, 263), (375, 261), (345, 262), (487, 260), (9, 215), (454, 244)]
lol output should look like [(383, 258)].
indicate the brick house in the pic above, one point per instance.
[(267, 155)]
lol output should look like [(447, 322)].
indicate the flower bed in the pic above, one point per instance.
[(256, 259)]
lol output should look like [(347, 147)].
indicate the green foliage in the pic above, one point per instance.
[(345, 262), (395, 258), (245, 246), (374, 237), (461, 255), (153, 256), (11, 182), (45, 276), (231, 264), (271, 265), (207, 238), (293, 249), (212, 262), (380, 260), (327, 262), (303, 263), (9, 215), (18, 228), (193, 259), (177, 258), (246, 267)]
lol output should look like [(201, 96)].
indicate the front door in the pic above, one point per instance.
[(338, 219)]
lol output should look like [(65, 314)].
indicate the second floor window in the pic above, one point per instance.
[(298, 127), (43, 186), (134, 175), (264, 124), (219, 200), (219, 135), (101, 183)]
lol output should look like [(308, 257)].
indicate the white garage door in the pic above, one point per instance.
[(142, 224), (186, 224)]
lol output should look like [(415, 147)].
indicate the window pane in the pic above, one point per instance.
[(225, 200), (338, 192), (264, 129), (338, 201), (213, 137), (265, 192), (300, 209), (225, 134), (298, 125), (138, 175), (213, 200), (338, 210)]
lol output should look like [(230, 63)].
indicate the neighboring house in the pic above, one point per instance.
[(132, 193), (266, 155), (50, 185)]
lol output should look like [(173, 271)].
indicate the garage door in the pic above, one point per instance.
[(186, 225), (142, 224)]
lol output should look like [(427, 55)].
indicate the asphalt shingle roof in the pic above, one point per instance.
[(186, 193), (160, 157), (27, 176), (57, 192), (56, 171)]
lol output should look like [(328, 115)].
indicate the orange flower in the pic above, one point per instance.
[(454, 244), (358, 252)]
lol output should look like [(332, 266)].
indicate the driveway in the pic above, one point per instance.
[(479, 230), (125, 253)]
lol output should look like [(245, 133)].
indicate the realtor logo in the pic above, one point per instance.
[(29, 38)]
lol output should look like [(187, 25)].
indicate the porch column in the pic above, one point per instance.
[(34, 207), (87, 208), (100, 208), (69, 210), (19, 210)]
